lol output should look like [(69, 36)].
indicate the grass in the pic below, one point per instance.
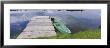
[(87, 34)]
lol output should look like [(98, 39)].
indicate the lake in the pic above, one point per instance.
[(74, 20)]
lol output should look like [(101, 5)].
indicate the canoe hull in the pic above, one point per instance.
[(60, 26)]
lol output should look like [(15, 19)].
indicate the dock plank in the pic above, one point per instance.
[(39, 26)]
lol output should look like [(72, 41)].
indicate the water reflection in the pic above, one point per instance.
[(75, 20)]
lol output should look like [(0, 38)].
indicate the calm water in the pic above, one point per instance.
[(74, 20)]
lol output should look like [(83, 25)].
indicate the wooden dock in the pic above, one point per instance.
[(39, 26)]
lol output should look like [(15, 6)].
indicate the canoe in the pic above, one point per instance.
[(60, 26)]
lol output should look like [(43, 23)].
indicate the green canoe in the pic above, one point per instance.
[(60, 26)]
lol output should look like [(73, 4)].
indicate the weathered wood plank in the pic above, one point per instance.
[(39, 26)]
